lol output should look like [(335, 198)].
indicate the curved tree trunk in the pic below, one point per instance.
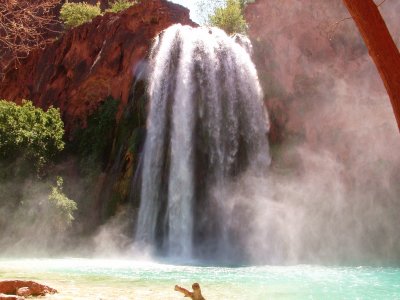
[(380, 45)]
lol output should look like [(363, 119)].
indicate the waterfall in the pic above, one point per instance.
[(206, 125)]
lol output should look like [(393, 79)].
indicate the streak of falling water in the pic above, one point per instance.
[(206, 125)]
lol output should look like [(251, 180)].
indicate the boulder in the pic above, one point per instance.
[(10, 297), (24, 288)]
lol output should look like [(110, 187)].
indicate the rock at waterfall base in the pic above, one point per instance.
[(10, 297), (24, 292), (23, 288)]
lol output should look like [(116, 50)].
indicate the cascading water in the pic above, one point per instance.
[(206, 125)]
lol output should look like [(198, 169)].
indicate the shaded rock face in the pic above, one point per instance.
[(307, 57), (335, 163), (91, 62), (321, 87)]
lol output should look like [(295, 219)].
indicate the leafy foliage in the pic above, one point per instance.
[(75, 14), (230, 17), (29, 133), (94, 141), (120, 5), (34, 212), (62, 208)]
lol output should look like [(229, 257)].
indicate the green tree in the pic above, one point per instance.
[(29, 133), (75, 14), (120, 5), (229, 17), (61, 207)]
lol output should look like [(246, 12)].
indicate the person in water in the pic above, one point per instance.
[(195, 295)]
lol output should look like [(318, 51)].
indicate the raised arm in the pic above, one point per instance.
[(184, 291)]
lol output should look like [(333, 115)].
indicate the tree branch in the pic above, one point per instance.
[(25, 25), (383, 1)]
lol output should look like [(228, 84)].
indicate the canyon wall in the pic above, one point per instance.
[(334, 139), (303, 50), (102, 59), (93, 61)]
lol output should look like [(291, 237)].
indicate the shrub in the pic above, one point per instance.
[(230, 17), (61, 207), (75, 14), (42, 213), (120, 5), (29, 133), (93, 143)]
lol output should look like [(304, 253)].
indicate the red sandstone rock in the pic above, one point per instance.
[(10, 297), (24, 292), (92, 61), (26, 288)]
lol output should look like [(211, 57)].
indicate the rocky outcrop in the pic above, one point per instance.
[(24, 288), (95, 60), (10, 297)]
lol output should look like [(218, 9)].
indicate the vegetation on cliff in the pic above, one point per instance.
[(75, 14), (229, 17), (93, 143), (30, 134), (61, 206), (120, 5), (30, 141)]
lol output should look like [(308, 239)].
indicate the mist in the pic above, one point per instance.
[(31, 225), (331, 195)]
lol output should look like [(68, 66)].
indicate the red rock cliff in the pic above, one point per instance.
[(319, 80), (92, 61)]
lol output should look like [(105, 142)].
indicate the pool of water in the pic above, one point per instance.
[(129, 279)]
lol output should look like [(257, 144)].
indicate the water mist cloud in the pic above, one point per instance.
[(332, 194)]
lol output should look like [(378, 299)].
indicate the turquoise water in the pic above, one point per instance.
[(129, 279)]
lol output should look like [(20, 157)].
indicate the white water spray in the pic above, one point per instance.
[(206, 125)]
